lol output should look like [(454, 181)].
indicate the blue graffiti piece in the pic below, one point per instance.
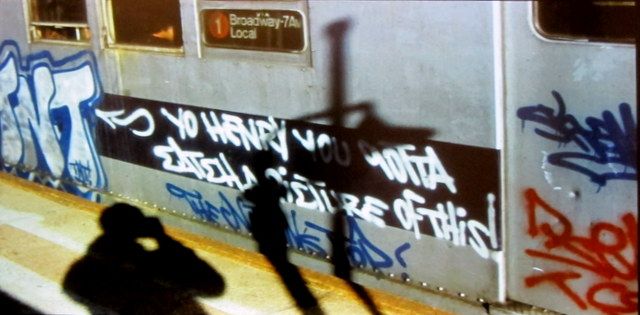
[(82, 172), (234, 216), (604, 141), (304, 237), (362, 252), (194, 199), (47, 118), (401, 249), (301, 239)]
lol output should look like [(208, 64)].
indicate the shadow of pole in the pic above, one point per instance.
[(340, 256), (371, 128), (336, 32), (268, 226), (341, 264), (268, 222)]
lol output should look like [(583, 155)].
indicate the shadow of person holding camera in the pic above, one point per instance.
[(119, 275)]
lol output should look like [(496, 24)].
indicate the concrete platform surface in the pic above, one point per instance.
[(44, 232)]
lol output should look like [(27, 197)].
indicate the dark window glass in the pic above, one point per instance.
[(609, 21), (67, 11), (147, 22), (60, 20)]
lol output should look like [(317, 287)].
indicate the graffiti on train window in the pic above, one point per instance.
[(59, 20), (47, 119), (423, 187), (603, 148), (595, 20), (154, 23), (595, 268)]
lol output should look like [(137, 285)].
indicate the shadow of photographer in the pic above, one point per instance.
[(118, 275)]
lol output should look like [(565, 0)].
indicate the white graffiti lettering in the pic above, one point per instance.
[(214, 170), (112, 118), (314, 195), (399, 165), (303, 192), (407, 214), (186, 121), (447, 222), (252, 135), (329, 148), (403, 164)]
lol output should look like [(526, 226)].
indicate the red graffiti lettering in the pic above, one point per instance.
[(608, 252), (560, 279), (626, 303)]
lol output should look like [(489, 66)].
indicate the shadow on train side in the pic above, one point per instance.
[(371, 128), (268, 226), (267, 220), (120, 275)]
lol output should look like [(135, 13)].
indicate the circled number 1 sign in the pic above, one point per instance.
[(265, 30), (219, 26)]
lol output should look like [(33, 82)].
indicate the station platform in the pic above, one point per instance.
[(44, 232)]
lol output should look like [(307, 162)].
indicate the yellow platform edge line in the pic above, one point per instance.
[(386, 302)]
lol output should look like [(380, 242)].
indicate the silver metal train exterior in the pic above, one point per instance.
[(479, 150)]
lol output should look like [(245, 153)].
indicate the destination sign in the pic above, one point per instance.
[(266, 30)]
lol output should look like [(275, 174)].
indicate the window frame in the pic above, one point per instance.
[(585, 38), (35, 28), (110, 34)]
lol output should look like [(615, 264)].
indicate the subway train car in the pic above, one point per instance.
[(484, 151)]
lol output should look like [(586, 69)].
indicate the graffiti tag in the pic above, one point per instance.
[(426, 187), (47, 117), (608, 253), (304, 236), (601, 141), (235, 214)]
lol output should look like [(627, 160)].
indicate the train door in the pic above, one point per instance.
[(571, 154)]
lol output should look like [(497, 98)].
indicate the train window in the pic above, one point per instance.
[(606, 21), (59, 20), (153, 23)]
